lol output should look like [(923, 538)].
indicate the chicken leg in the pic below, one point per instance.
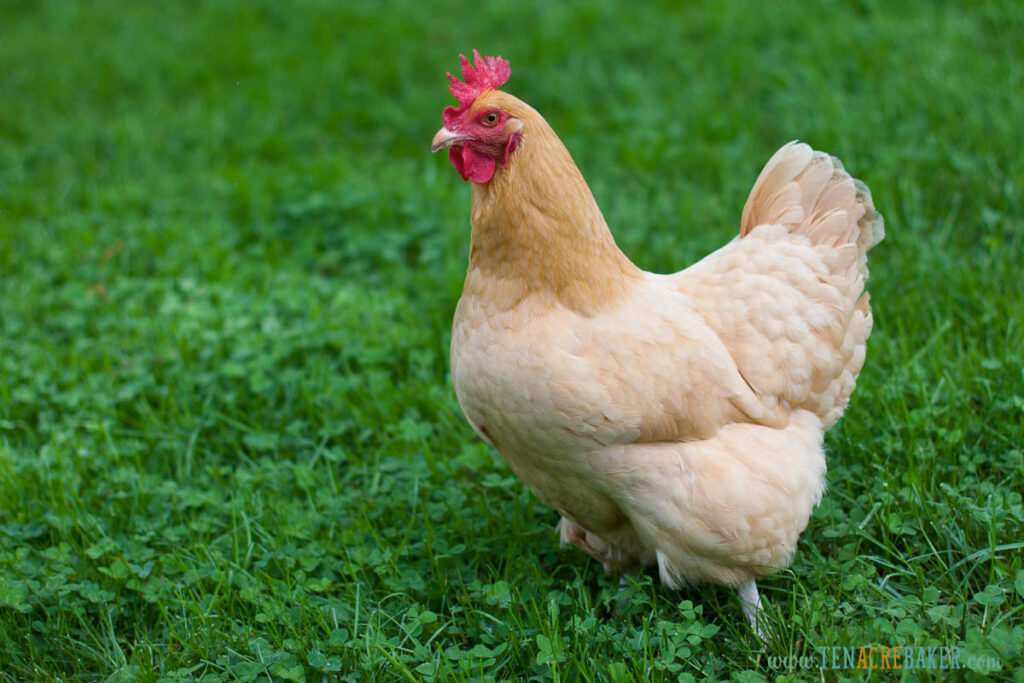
[(752, 607)]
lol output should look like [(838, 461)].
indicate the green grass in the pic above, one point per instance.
[(229, 448)]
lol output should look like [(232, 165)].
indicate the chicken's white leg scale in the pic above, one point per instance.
[(622, 598), (751, 602)]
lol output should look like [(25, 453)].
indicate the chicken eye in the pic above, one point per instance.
[(491, 118)]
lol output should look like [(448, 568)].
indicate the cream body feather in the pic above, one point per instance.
[(670, 419)]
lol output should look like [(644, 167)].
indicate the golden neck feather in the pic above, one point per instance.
[(536, 227)]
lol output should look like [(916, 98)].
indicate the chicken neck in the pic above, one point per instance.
[(536, 229)]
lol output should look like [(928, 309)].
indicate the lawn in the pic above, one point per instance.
[(229, 446)]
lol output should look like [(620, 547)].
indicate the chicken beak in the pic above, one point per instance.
[(445, 139)]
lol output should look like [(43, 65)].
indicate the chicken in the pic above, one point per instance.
[(671, 420)]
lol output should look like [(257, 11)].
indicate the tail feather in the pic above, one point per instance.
[(811, 194)]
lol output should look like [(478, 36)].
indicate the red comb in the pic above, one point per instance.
[(485, 73)]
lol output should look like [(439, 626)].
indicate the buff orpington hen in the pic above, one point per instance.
[(675, 420)]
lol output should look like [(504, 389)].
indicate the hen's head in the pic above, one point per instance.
[(478, 133)]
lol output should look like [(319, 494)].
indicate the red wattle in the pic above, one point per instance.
[(471, 165), (455, 156)]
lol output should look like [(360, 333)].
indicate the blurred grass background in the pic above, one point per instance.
[(229, 449)]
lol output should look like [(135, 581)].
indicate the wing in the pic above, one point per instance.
[(651, 371)]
